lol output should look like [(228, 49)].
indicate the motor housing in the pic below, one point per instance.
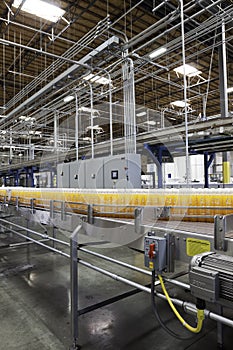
[(211, 277)]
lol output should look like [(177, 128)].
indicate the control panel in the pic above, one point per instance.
[(155, 252)]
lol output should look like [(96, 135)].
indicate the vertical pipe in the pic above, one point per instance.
[(76, 125), (11, 151), (223, 75), (132, 107), (92, 131), (32, 151), (185, 94), (129, 107), (224, 99), (110, 116), (55, 131)]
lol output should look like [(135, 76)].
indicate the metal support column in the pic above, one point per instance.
[(51, 178), (207, 164), (74, 286), (26, 177), (32, 177), (29, 177), (158, 163), (17, 178)]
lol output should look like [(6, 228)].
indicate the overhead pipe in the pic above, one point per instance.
[(41, 52), (160, 5), (155, 27), (21, 25), (169, 29), (63, 75)]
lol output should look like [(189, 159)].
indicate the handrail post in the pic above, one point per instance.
[(74, 286)]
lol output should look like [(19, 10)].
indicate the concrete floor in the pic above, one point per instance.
[(35, 306)]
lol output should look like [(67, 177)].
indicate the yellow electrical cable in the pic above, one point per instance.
[(200, 313)]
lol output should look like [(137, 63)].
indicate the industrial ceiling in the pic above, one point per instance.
[(43, 62)]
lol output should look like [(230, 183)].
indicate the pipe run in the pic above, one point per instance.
[(188, 307), (42, 235), (42, 52), (132, 267), (37, 242)]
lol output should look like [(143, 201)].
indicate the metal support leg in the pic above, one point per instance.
[(220, 329), (54, 236), (207, 164), (138, 213), (158, 162), (28, 246), (74, 286), (90, 213)]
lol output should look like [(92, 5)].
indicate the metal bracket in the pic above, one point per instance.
[(170, 252), (63, 211), (90, 218), (223, 224), (51, 209), (32, 206), (138, 212), (17, 203), (165, 214)]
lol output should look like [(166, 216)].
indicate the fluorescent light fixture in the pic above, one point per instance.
[(97, 79), (68, 98), (230, 90), (26, 119), (141, 114), (41, 9), (157, 52), (180, 104), (188, 70), (94, 127), (150, 122), (89, 110)]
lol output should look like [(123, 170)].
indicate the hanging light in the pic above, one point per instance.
[(41, 9)]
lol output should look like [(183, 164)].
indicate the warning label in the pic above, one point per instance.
[(196, 246)]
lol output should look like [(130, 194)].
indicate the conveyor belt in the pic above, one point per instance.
[(189, 204), (199, 227)]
